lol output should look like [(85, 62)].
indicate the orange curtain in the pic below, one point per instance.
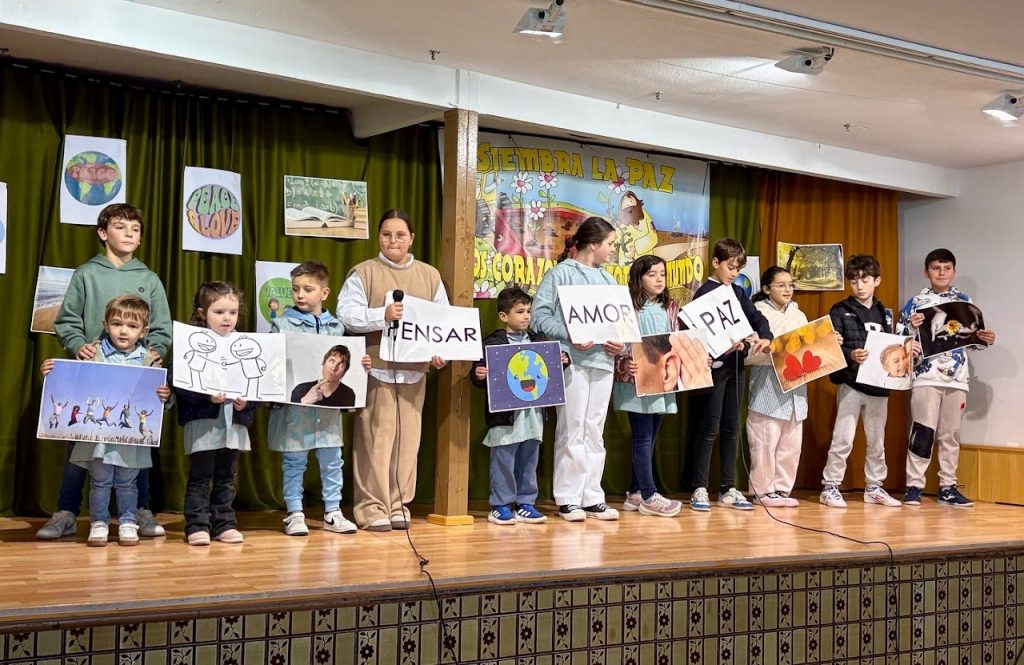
[(803, 209)]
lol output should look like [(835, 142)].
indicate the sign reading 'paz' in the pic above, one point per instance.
[(719, 314)]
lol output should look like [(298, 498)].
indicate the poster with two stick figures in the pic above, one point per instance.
[(246, 365)]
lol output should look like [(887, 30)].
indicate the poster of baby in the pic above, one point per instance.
[(247, 365), (889, 363)]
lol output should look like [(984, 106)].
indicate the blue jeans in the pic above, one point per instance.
[(294, 467), (514, 473), (645, 428), (73, 481), (104, 477)]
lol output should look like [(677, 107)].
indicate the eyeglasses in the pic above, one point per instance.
[(398, 237), (782, 286)]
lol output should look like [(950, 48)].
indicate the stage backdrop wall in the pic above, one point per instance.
[(165, 132), (802, 209)]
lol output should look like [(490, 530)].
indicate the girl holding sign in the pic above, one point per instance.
[(579, 432), (647, 289), (386, 440), (775, 420)]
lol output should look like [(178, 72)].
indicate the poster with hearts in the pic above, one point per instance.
[(807, 353)]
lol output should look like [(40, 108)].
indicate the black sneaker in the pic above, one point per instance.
[(912, 497), (601, 511), (570, 512), (951, 496)]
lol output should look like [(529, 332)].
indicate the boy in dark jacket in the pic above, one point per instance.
[(853, 318), (719, 406), (513, 436)]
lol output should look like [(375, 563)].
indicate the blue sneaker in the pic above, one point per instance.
[(527, 513), (501, 515), (912, 497), (699, 500), (951, 496)]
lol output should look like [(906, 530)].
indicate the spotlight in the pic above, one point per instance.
[(810, 60), (548, 22), (1007, 107)]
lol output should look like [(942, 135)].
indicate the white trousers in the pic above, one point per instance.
[(774, 452), (851, 403), (937, 414), (579, 436)]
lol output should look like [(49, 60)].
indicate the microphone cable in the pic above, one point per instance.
[(445, 631)]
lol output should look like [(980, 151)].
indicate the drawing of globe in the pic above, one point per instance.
[(743, 282), (92, 178), (527, 375)]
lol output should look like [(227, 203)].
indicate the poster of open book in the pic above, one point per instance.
[(325, 208)]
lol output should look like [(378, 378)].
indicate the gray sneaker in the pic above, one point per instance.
[(148, 526), (63, 523)]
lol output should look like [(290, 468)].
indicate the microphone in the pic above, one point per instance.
[(397, 295)]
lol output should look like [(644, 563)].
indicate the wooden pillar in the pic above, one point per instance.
[(451, 489)]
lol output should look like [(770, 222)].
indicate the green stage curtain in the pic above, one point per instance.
[(166, 131)]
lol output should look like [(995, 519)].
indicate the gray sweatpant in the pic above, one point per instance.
[(851, 403), (937, 414)]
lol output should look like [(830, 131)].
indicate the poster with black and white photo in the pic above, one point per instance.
[(949, 326)]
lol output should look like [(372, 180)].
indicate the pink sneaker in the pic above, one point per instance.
[(772, 500), (632, 502), (659, 506)]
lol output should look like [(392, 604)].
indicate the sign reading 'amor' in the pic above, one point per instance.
[(598, 314)]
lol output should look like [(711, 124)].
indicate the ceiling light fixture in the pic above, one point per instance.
[(548, 22), (1007, 107), (810, 60)]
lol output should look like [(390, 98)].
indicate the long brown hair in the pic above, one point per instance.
[(592, 231), (637, 271), (207, 294)]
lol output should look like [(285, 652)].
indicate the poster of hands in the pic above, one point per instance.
[(325, 371), (90, 401), (807, 353), (949, 326), (246, 365), (889, 363), (671, 362)]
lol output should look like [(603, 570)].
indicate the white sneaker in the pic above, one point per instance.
[(295, 524), (632, 502), (127, 534), (659, 506), (98, 534), (699, 500), (601, 511), (879, 496), (733, 498), (379, 524), (790, 502), (335, 521), (571, 512), (832, 497)]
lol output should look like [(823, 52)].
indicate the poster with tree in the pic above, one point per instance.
[(814, 267)]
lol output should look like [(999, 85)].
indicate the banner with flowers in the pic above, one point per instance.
[(533, 192)]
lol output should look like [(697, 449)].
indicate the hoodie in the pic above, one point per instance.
[(98, 281), (947, 370)]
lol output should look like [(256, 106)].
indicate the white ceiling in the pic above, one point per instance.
[(620, 52)]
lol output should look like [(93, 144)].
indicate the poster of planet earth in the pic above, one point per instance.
[(524, 376)]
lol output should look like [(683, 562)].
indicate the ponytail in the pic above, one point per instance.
[(592, 231)]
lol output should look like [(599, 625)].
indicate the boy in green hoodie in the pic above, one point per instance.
[(79, 324)]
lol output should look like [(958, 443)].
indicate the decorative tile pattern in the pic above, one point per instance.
[(962, 611)]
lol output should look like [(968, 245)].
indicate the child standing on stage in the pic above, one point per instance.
[(513, 436), (775, 420), (113, 465), (853, 319), (656, 314), (719, 407), (940, 389), (579, 433), (79, 325), (295, 430), (216, 430)]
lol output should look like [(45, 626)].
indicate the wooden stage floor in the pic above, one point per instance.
[(51, 582)]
